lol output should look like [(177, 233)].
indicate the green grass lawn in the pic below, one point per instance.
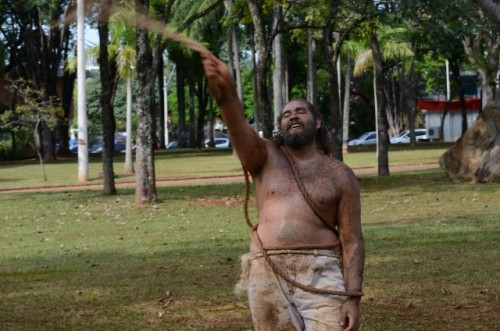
[(78, 260), (187, 163)]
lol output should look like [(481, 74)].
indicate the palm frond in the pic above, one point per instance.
[(364, 61)]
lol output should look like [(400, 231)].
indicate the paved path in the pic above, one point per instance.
[(200, 180)]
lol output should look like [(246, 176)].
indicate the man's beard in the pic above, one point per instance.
[(300, 139)]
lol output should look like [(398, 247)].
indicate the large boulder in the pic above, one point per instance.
[(476, 155)]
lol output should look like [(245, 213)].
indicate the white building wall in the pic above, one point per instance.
[(452, 124)]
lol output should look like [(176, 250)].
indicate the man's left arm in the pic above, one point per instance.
[(353, 252)]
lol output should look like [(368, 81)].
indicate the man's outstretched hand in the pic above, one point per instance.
[(220, 81)]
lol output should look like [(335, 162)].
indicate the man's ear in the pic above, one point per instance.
[(318, 122)]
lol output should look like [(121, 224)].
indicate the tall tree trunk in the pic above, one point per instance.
[(39, 146), (129, 167), (383, 139), (312, 81), (230, 54), (279, 70), (237, 65), (108, 76), (192, 116), (202, 110), (145, 190), (347, 97), (211, 120), (443, 117), (393, 97), (48, 143), (487, 63), (162, 96), (263, 103), (69, 79), (67, 103), (258, 125), (456, 76), (331, 56), (51, 52), (410, 94), (181, 107)]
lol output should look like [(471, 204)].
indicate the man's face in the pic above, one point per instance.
[(298, 125)]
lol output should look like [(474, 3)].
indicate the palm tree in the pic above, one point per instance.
[(107, 68), (383, 48), (350, 48), (123, 38), (126, 64), (145, 188)]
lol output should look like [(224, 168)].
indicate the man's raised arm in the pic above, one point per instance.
[(249, 146)]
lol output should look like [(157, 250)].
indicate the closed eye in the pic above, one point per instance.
[(300, 111)]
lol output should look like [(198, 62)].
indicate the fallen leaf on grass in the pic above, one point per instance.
[(166, 300), (168, 296)]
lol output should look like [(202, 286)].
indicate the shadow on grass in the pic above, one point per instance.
[(414, 279), (418, 276), (113, 290)]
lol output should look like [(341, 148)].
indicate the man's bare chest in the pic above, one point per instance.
[(317, 182)]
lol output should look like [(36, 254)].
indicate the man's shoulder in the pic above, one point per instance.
[(333, 162), (338, 167)]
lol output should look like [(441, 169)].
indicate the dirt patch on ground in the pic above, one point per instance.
[(203, 180), (229, 201)]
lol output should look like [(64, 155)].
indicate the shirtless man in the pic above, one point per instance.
[(288, 223)]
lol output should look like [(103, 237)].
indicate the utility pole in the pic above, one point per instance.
[(83, 154)]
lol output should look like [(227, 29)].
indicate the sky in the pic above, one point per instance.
[(91, 37)]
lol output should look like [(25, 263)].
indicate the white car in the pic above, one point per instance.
[(219, 142), (367, 138), (404, 137)]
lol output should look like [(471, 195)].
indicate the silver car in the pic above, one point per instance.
[(404, 137), (367, 138)]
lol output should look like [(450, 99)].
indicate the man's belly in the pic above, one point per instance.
[(292, 232)]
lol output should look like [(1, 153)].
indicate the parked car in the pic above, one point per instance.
[(119, 146), (404, 137), (97, 148), (219, 142), (367, 138), (173, 144), (73, 144), (133, 149)]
